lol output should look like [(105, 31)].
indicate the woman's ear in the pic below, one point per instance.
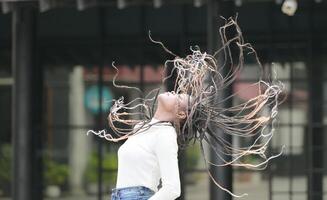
[(181, 115)]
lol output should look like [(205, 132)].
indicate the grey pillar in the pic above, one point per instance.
[(316, 133), (78, 145), (217, 8), (316, 111), (26, 107)]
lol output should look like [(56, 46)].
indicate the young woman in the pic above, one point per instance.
[(152, 154), (195, 112)]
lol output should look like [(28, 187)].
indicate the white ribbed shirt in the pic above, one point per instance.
[(148, 156)]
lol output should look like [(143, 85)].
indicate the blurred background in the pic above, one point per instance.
[(56, 83)]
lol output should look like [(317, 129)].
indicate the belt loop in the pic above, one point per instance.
[(115, 192), (142, 191)]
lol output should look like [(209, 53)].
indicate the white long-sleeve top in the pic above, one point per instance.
[(148, 156)]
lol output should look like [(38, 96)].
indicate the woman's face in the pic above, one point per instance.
[(171, 102)]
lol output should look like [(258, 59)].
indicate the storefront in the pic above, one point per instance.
[(63, 54)]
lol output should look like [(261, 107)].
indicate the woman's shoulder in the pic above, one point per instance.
[(166, 137), (167, 130)]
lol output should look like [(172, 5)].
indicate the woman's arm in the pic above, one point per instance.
[(166, 149)]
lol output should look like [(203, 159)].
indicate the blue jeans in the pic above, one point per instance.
[(131, 193)]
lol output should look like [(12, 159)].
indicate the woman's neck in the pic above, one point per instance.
[(163, 116)]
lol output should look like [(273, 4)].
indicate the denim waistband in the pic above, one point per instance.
[(138, 190)]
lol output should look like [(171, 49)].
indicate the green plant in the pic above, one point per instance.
[(5, 168), (250, 159), (109, 165), (192, 156), (55, 173), (5, 163), (192, 160)]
